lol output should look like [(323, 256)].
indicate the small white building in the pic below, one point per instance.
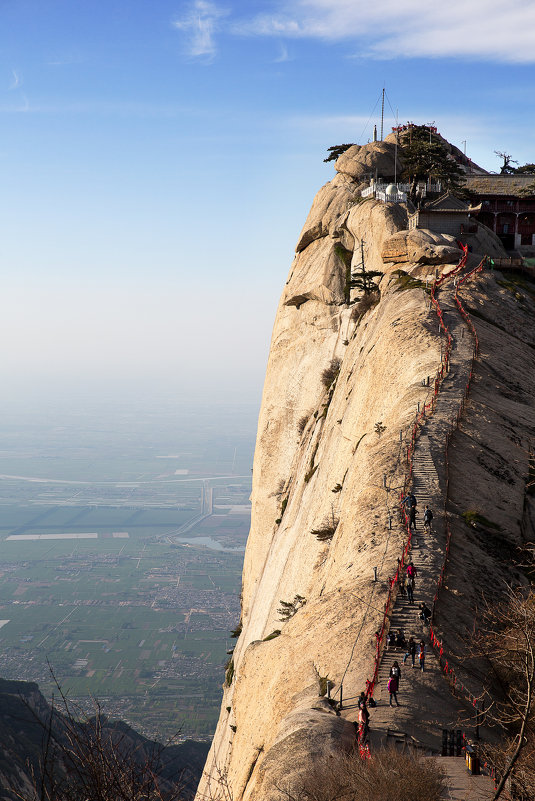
[(397, 192)]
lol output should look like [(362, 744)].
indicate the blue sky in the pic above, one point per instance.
[(158, 160)]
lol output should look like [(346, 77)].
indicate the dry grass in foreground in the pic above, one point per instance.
[(387, 776)]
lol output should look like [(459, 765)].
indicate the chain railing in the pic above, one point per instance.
[(437, 643)]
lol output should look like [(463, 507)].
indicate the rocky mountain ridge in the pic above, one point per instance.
[(331, 457), (26, 720)]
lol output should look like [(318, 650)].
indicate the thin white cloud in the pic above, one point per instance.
[(479, 29), (16, 80), (283, 54), (200, 25), (119, 108)]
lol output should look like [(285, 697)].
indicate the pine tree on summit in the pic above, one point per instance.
[(424, 156), (337, 150)]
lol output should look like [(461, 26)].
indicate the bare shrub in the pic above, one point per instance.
[(94, 758), (229, 672), (506, 640), (331, 372), (301, 425), (367, 302), (387, 776)]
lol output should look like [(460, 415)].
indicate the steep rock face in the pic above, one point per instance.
[(330, 457)]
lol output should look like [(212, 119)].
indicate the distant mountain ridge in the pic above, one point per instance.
[(25, 716)]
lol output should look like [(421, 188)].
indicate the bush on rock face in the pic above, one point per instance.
[(301, 425), (363, 305), (330, 373), (289, 608), (324, 533)]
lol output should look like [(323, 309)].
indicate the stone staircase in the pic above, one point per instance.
[(425, 691)]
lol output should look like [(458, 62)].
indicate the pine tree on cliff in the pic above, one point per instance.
[(337, 150), (424, 157), (364, 280)]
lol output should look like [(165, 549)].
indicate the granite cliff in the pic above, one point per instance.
[(344, 384)]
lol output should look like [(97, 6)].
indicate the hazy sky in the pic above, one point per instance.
[(159, 157)]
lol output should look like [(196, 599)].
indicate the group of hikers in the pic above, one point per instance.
[(394, 679), (410, 503), (413, 650), (406, 586), (395, 671)]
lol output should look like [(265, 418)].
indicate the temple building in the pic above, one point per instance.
[(507, 207), (447, 214)]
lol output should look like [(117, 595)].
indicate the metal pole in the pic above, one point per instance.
[(396, 153), (375, 574)]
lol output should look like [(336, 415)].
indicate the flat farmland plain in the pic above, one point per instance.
[(121, 619), (133, 605)]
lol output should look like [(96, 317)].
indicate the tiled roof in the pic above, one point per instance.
[(498, 184), (447, 202)]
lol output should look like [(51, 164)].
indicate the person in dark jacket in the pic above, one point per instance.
[(425, 614), (410, 503), (421, 655), (393, 682), (411, 651)]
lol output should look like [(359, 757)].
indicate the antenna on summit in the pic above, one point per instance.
[(396, 151), (382, 113)]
